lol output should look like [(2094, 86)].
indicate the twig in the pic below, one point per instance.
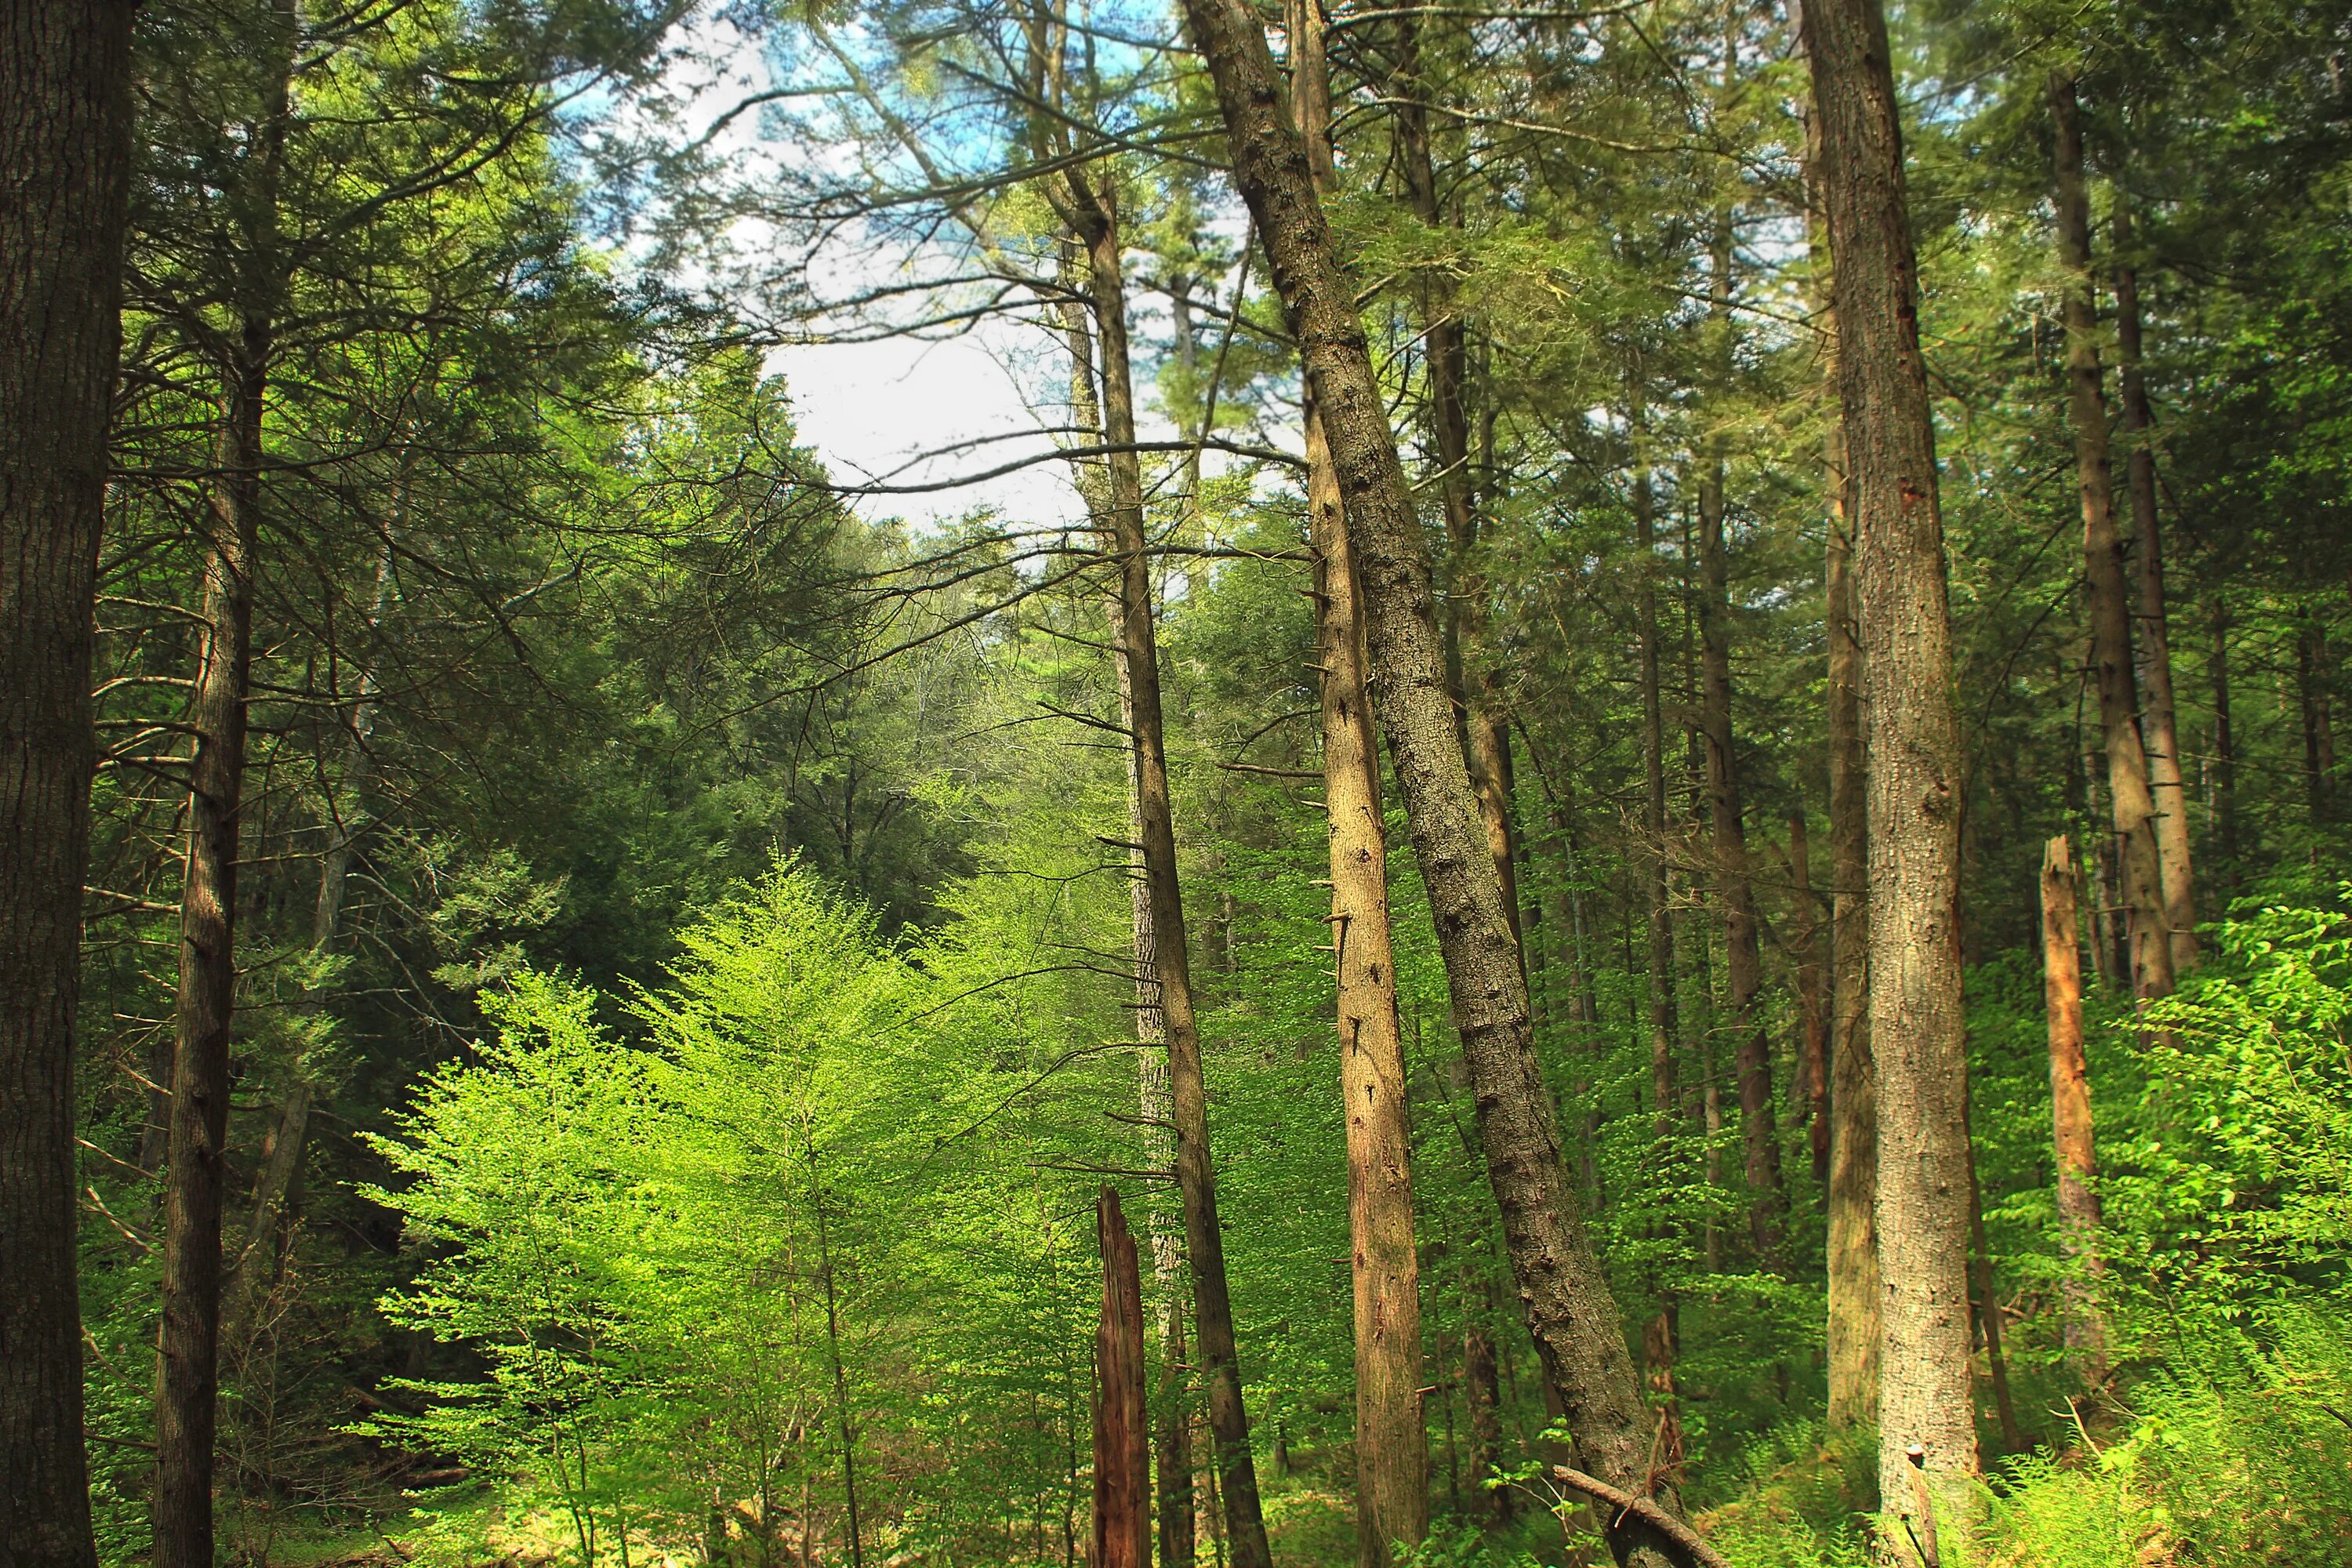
[(1686, 1545)]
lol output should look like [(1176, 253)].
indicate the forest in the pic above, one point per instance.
[(1603, 829)]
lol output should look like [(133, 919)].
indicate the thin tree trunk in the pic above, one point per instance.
[(1914, 761), (2070, 1107), (2311, 677), (2109, 610), (1660, 922), (1481, 1391), (1813, 1016), (1570, 1312), (1987, 1300), (2225, 750), (2158, 724), (65, 145), (1392, 1439), (1122, 1514), (1139, 646), (1735, 889)]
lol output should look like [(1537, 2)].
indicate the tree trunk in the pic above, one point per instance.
[(1661, 920), (2070, 1107), (1569, 1310), (1392, 1439), (1735, 889), (1812, 1017), (2225, 748), (65, 143), (1914, 761), (1988, 1301), (2158, 724), (1851, 1244), (1122, 1427), (2311, 677), (1482, 1393), (2109, 611), (1138, 647)]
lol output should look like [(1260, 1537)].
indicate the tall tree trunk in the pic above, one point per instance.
[(2103, 556), (1663, 1023), (1569, 1310), (1122, 1428), (2070, 1107), (1988, 1304), (2312, 672), (65, 145), (2159, 728), (1813, 1015), (1482, 1391), (1914, 761), (2225, 748), (1735, 889), (1139, 646), (187, 1383), (1852, 1243), (1392, 1439)]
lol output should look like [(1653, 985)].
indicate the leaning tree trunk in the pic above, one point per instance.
[(1392, 1439), (1735, 889), (2070, 1109), (2160, 728), (1914, 759), (65, 143), (2103, 556), (1213, 1312), (1569, 1310)]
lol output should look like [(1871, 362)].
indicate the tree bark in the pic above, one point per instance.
[(2311, 678), (1569, 1310), (2225, 748), (1391, 1438), (2070, 1107), (1122, 1426), (1988, 1308), (65, 155), (2109, 609), (1913, 762), (2159, 726), (1659, 909), (1096, 209), (1852, 1243), (1735, 889)]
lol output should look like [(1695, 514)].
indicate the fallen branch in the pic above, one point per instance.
[(1686, 1545)]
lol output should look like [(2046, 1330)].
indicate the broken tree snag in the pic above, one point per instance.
[(2070, 1105), (1122, 1428)]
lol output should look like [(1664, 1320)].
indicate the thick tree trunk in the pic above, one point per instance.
[(65, 140), (1851, 1244), (1122, 1427), (1735, 889), (1912, 791), (2109, 610), (2159, 728), (1138, 647), (2070, 1107), (1391, 1438), (1569, 1308)]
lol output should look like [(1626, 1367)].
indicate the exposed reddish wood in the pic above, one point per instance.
[(1122, 1426)]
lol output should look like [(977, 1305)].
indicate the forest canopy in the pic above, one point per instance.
[(1586, 810)]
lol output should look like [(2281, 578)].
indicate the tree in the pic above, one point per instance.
[(1914, 790), (65, 156)]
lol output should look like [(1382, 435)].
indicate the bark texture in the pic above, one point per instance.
[(65, 123), (2070, 1105), (1392, 1439), (2108, 608), (1566, 1299), (1812, 1017), (2159, 725), (1912, 789), (1122, 1426)]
